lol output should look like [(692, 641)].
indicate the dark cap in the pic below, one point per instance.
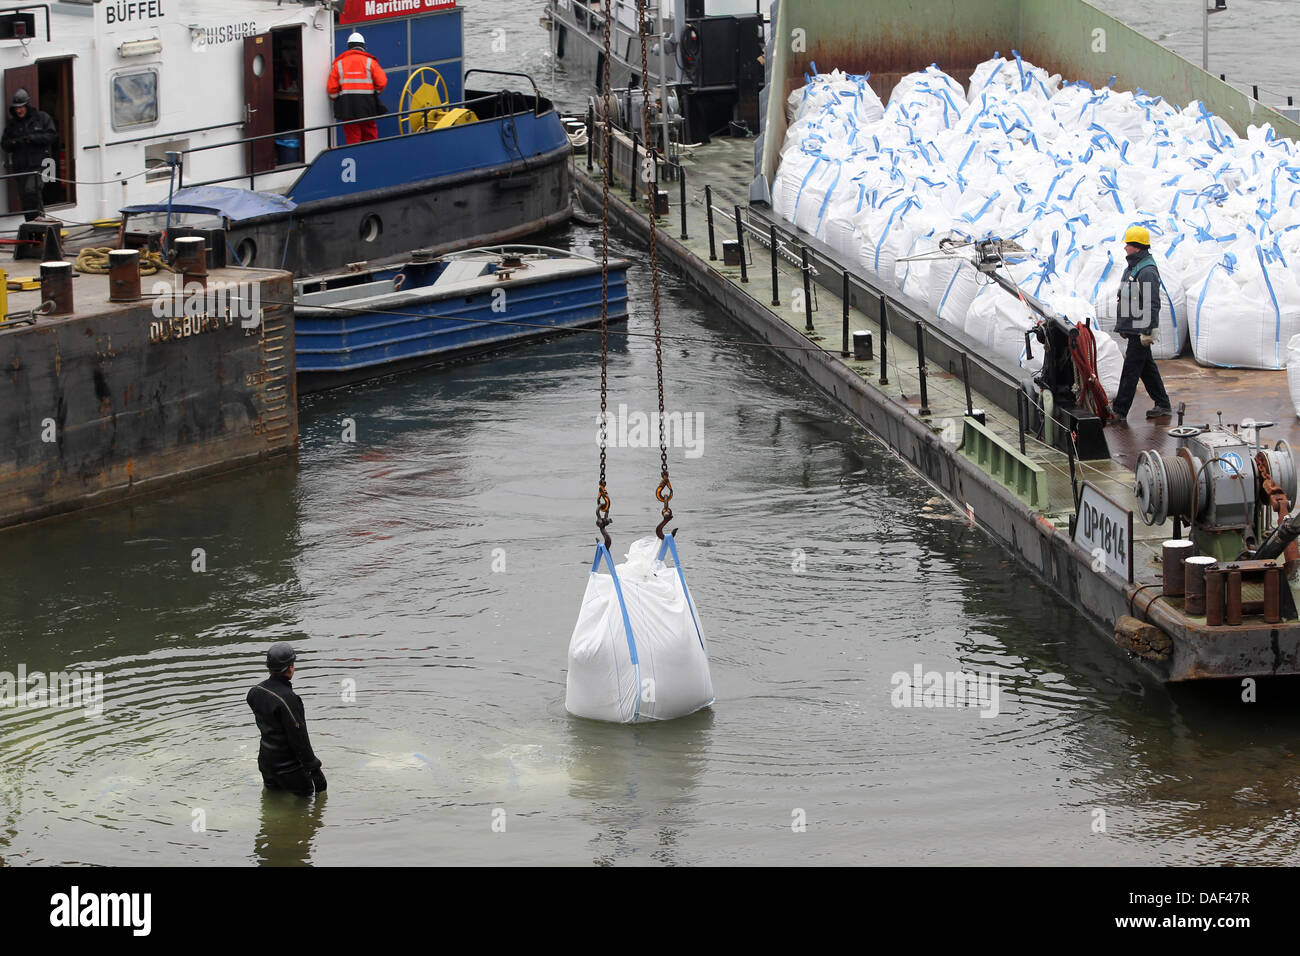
[(279, 658), (20, 98)]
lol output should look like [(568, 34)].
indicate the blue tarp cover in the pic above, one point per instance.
[(233, 204)]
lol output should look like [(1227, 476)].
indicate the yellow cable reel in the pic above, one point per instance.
[(428, 103)]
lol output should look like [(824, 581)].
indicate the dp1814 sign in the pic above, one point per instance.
[(1104, 529)]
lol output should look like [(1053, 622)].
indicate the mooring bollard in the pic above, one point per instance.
[(123, 275), (844, 341), (920, 365), (56, 287), (884, 340), (807, 290), (771, 239), (1172, 555), (708, 215), (740, 242), (192, 260), (1194, 569)]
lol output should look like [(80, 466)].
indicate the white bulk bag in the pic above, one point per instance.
[(637, 652), (1293, 371)]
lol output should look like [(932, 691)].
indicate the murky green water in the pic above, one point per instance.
[(430, 573), (376, 558)]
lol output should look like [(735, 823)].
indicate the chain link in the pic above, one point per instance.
[(603, 520), (664, 492)]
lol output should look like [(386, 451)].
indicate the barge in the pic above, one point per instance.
[(1093, 527), (110, 396)]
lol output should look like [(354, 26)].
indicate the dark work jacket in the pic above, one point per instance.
[(29, 139), (1139, 296), (283, 723)]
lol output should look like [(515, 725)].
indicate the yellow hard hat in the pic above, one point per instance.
[(1137, 235)]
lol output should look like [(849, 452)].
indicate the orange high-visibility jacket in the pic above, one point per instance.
[(355, 78)]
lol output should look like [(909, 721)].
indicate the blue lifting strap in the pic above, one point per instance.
[(603, 552), (671, 545)]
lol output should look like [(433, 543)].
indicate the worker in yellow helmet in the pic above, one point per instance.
[(1138, 318)]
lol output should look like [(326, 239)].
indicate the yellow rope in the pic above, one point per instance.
[(94, 259)]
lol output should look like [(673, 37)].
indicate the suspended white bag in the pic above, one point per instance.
[(638, 653)]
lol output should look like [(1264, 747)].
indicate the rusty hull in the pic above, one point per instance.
[(115, 400)]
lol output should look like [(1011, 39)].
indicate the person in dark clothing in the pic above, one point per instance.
[(285, 756), (29, 137), (1138, 319)]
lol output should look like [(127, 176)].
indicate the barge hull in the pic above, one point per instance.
[(102, 405)]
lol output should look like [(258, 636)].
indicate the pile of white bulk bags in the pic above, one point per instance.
[(1063, 170)]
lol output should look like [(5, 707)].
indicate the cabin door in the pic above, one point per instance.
[(18, 78), (259, 102)]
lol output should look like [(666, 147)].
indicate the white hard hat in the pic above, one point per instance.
[(356, 38)]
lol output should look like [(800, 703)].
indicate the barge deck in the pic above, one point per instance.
[(1026, 501)]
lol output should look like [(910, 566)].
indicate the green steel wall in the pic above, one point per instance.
[(891, 38)]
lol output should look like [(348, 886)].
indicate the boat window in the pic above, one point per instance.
[(155, 158), (135, 99)]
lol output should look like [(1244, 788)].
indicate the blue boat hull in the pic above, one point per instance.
[(342, 345)]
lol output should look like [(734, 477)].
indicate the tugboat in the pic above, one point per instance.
[(707, 60)]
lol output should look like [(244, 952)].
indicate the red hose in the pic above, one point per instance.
[(1083, 349)]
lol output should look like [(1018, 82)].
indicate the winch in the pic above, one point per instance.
[(1223, 483)]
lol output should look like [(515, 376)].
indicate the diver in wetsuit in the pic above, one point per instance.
[(285, 756)]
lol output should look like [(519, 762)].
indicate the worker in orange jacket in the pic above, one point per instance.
[(356, 80)]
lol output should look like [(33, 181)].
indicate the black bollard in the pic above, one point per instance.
[(591, 135), (635, 167)]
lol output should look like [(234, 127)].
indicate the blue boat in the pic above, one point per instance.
[(438, 309)]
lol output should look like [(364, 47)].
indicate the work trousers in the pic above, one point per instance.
[(360, 132), (1139, 363)]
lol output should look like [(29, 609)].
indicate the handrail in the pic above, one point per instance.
[(537, 94), (865, 286)]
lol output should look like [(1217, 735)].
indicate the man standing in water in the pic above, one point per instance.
[(285, 756)]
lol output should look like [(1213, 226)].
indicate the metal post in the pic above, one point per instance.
[(884, 341), (1254, 92), (708, 215), (920, 364), (1074, 485), (1020, 418), (807, 290), (591, 135), (635, 164), (776, 292), (965, 378), (681, 188), (740, 240), (844, 344)]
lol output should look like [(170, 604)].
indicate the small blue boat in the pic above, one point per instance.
[(434, 310)]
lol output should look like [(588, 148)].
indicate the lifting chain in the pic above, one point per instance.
[(603, 520), (664, 492)]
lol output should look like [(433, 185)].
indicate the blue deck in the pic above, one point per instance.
[(448, 326)]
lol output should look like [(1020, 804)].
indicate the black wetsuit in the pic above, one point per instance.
[(285, 756)]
